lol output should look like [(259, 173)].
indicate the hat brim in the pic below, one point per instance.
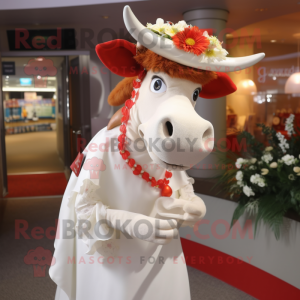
[(166, 48)]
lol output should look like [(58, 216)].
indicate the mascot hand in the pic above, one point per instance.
[(189, 211), (142, 227)]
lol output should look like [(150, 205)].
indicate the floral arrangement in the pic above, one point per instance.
[(190, 39), (266, 180)]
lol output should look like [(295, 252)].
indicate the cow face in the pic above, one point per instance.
[(176, 137)]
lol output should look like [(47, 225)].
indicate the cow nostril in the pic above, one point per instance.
[(169, 127), (141, 133), (207, 134)]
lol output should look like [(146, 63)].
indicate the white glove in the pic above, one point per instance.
[(142, 227), (189, 211)]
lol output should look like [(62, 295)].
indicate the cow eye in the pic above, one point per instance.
[(196, 94), (157, 85)]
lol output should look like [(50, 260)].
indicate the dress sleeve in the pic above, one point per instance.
[(91, 223)]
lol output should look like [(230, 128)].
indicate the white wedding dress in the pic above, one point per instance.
[(110, 268)]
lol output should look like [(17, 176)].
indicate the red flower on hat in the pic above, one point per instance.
[(191, 39)]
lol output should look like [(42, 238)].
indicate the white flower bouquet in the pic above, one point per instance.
[(266, 180)]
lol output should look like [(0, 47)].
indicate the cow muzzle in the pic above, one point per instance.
[(176, 137)]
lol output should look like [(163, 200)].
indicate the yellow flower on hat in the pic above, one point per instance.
[(171, 30), (214, 51), (159, 26), (181, 25), (167, 28), (211, 55)]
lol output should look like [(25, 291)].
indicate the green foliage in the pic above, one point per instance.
[(264, 180), (270, 134), (238, 212), (254, 147), (272, 215)]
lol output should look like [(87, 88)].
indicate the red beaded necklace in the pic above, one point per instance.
[(166, 190)]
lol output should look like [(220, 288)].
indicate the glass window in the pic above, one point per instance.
[(269, 91)]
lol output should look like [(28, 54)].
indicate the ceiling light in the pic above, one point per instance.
[(7, 76), (292, 85), (246, 87), (273, 41), (105, 17), (274, 78), (27, 89)]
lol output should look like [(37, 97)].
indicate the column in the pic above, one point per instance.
[(213, 110)]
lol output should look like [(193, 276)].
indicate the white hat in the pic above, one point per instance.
[(204, 52)]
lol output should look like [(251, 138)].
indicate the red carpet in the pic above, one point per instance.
[(240, 274), (36, 185)]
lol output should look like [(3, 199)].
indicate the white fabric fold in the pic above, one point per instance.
[(62, 273), (91, 222), (142, 227), (116, 187)]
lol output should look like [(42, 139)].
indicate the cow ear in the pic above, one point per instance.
[(117, 56), (219, 87)]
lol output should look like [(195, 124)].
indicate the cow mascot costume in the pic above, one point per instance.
[(129, 193)]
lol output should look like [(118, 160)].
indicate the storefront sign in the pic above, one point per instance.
[(41, 39)]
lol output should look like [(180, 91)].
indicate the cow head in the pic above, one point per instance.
[(175, 135), (164, 116)]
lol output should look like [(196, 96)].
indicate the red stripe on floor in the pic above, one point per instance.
[(36, 185), (238, 273)]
